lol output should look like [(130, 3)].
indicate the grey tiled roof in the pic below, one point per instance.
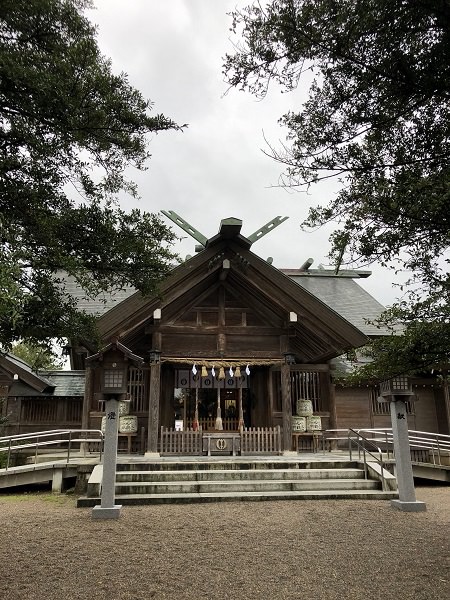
[(93, 306), (339, 292), (66, 383), (346, 297), (15, 361)]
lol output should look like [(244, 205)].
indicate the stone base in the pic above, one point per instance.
[(415, 506), (152, 455), (98, 512), (290, 453)]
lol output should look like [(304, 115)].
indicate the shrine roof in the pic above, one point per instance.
[(63, 384), (343, 294)]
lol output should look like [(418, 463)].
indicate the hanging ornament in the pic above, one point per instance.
[(237, 373), (204, 371), (247, 370), (231, 372), (194, 369), (213, 371), (221, 373)]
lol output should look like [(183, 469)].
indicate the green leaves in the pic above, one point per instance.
[(377, 118), (69, 127)]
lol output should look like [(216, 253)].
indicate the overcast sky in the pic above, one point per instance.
[(172, 51)]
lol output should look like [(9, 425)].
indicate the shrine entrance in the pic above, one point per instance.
[(201, 404)]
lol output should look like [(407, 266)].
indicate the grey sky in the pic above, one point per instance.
[(172, 51)]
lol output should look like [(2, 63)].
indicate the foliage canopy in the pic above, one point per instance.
[(69, 127), (377, 118)]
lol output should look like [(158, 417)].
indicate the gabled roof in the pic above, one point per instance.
[(320, 332), (343, 294), (94, 306), (14, 366), (64, 384), (116, 345)]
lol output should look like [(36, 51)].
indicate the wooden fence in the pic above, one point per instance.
[(261, 440), (255, 440), (180, 442)]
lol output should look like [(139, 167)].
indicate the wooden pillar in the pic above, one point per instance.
[(446, 397), (88, 395), (153, 407), (287, 406), (240, 409), (333, 410)]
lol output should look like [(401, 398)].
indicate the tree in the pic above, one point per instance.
[(69, 127), (377, 118), (37, 357)]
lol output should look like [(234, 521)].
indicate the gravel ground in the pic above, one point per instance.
[(341, 549)]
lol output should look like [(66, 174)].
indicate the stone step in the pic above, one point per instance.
[(190, 487), (233, 474), (143, 499), (235, 464)]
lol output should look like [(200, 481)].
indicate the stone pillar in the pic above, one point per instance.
[(407, 494), (107, 508), (153, 408), (286, 406)]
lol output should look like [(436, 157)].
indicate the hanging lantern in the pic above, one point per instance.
[(194, 369), (231, 372), (221, 373), (237, 373), (204, 371)]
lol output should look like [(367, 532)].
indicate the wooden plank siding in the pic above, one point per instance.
[(425, 409), (353, 408)]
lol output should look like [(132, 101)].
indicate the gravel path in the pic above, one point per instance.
[(341, 549)]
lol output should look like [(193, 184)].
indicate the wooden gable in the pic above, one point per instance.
[(227, 302)]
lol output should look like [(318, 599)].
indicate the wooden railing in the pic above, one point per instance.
[(256, 440), (180, 442), (261, 440)]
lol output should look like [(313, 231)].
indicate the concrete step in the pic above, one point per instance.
[(190, 487), (236, 475), (235, 464), (143, 499), (237, 479)]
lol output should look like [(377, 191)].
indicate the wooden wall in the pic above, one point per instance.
[(425, 409), (353, 407)]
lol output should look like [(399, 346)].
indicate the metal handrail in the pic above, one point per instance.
[(419, 440), (50, 438), (361, 442), (435, 443)]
